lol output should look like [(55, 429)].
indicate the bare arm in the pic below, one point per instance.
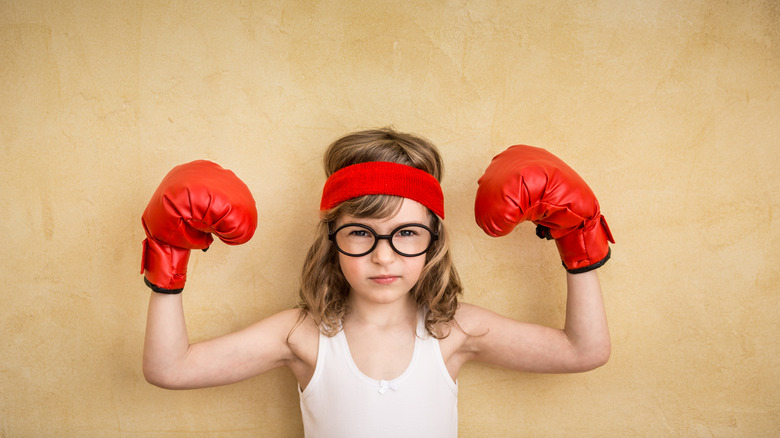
[(583, 344), (170, 361), (586, 320)]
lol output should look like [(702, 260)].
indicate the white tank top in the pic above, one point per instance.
[(342, 402)]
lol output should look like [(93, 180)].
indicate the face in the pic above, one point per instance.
[(383, 275)]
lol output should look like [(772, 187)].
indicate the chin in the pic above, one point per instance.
[(381, 295)]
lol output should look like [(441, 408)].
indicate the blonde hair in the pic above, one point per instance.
[(324, 289)]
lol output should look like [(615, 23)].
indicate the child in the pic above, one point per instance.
[(379, 335)]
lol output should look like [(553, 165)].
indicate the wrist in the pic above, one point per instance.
[(586, 248), (161, 290), (164, 266)]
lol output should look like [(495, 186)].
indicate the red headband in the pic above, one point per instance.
[(383, 178)]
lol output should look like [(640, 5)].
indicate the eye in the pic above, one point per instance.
[(359, 233), (354, 232), (411, 232)]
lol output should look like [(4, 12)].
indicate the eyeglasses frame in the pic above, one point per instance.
[(388, 237)]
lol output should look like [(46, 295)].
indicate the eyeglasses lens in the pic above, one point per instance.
[(408, 240)]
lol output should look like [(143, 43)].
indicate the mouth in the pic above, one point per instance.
[(384, 279)]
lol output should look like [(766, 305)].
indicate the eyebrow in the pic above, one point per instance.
[(430, 220), (392, 226)]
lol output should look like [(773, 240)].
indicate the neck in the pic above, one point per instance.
[(401, 312)]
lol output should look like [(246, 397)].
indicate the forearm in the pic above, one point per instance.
[(586, 321), (166, 342)]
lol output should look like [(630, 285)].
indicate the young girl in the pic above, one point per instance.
[(379, 336)]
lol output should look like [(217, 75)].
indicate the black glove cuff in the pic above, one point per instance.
[(596, 265), (160, 290)]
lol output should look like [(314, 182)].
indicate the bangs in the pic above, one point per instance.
[(368, 206)]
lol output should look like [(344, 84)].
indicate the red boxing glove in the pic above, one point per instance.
[(527, 183), (193, 201)]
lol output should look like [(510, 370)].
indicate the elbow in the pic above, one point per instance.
[(595, 358), (155, 378), (161, 381), (159, 377), (601, 358)]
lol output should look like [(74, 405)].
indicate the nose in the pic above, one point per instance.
[(383, 253)]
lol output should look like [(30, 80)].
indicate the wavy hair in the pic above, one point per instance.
[(324, 289)]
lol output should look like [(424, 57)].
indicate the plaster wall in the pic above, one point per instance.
[(668, 109)]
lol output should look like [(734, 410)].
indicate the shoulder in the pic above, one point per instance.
[(472, 319), (302, 335), (289, 335), (467, 323), (301, 342)]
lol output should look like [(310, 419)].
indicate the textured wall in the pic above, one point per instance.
[(669, 109)]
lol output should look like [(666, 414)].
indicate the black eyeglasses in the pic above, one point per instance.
[(357, 240)]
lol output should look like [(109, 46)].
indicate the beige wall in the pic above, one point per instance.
[(669, 109)]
